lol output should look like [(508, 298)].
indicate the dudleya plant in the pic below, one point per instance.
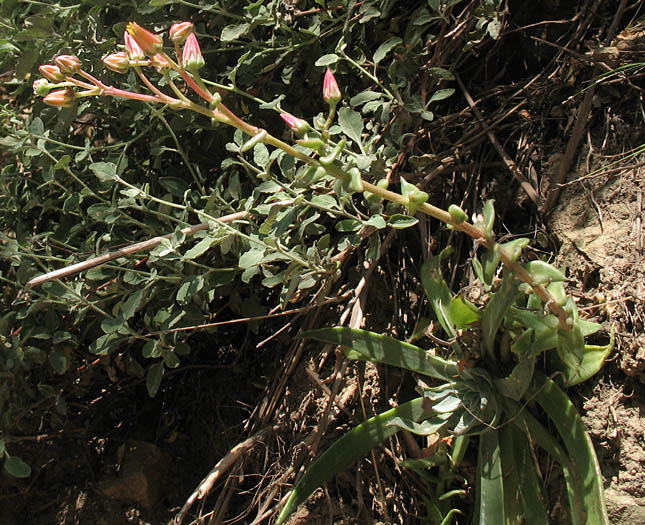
[(488, 385)]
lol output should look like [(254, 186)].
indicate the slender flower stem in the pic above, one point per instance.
[(75, 82), (176, 90), (116, 92), (165, 98), (188, 79), (200, 83)]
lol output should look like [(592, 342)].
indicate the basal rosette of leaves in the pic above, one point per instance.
[(508, 400)]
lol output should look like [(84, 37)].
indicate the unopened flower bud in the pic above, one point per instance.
[(299, 126), (179, 32), (68, 64), (41, 87), (150, 43), (192, 58), (117, 62), (51, 72), (133, 50), (61, 98), (331, 91)]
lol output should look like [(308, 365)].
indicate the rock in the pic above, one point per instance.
[(141, 476)]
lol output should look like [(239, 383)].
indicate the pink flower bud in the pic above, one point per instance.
[(51, 72), (179, 32), (41, 87), (62, 98), (192, 58), (117, 62), (68, 64), (132, 49), (331, 91), (150, 43), (297, 125)]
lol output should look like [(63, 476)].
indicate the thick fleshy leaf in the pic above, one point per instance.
[(513, 249), (571, 346), (536, 432), (521, 482), (579, 447), (495, 310), (516, 383), (544, 273), (368, 346), (490, 489), (349, 448), (489, 217), (437, 291), (153, 378), (463, 313), (592, 361)]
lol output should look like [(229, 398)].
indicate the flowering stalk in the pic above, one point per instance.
[(141, 42)]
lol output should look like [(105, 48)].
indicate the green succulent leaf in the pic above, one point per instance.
[(463, 313), (578, 444), (593, 359), (437, 291), (490, 489), (368, 346), (153, 378), (349, 448), (495, 311), (544, 273), (489, 218)]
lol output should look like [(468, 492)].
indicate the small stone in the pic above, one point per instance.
[(140, 479)]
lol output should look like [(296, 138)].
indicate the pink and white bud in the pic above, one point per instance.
[(51, 72), (41, 87), (150, 43), (331, 91), (117, 62), (132, 49), (192, 58), (179, 32), (68, 64), (61, 98), (299, 126)]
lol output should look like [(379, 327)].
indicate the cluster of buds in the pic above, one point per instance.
[(57, 75), (142, 48)]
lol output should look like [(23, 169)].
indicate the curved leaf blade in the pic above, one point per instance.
[(350, 447), (490, 489), (368, 346), (564, 415), (522, 479)]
